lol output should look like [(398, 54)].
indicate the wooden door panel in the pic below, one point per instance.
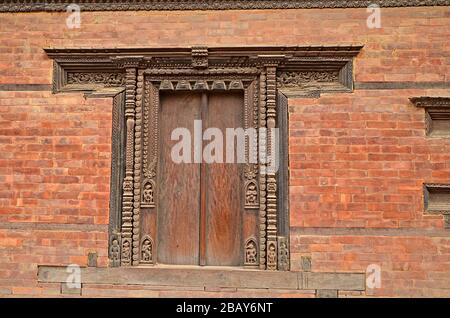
[(223, 187), (179, 185)]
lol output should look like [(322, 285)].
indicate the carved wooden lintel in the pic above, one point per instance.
[(428, 102), (259, 72), (298, 68)]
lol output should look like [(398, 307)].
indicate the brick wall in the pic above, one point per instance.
[(362, 166), (357, 161)]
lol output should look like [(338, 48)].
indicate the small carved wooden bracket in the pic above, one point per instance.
[(200, 57)]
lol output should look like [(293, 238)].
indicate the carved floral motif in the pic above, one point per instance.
[(294, 79), (107, 79)]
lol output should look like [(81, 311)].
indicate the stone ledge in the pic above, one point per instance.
[(208, 278)]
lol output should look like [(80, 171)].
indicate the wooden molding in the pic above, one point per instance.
[(159, 5), (299, 68), (208, 277), (427, 101)]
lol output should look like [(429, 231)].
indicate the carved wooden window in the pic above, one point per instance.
[(437, 201), (437, 198), (437, 115), (157, 90)]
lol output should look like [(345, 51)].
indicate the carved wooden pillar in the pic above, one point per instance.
[(271, 91), (137, 166), (262, 172), (127, 199)]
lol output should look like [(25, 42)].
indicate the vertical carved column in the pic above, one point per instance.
[(251, 187), (116, 177), (137, 167), (262, 174), (271, 173), (127, 200), (149, 144)]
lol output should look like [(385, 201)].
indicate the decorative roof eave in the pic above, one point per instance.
[(427, 102), (122, 5)]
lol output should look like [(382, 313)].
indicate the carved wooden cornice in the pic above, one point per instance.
[(431, 102), (315, 68), (122, 5)]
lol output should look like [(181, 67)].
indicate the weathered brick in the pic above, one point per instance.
[(355, 159)]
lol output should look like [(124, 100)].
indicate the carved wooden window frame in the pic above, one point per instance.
[(436, 108), (134, 77)]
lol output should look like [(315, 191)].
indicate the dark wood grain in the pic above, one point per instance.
[(203, 190), (223, 186), (179, 185)]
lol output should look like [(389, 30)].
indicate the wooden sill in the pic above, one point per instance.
[(207, 277)]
